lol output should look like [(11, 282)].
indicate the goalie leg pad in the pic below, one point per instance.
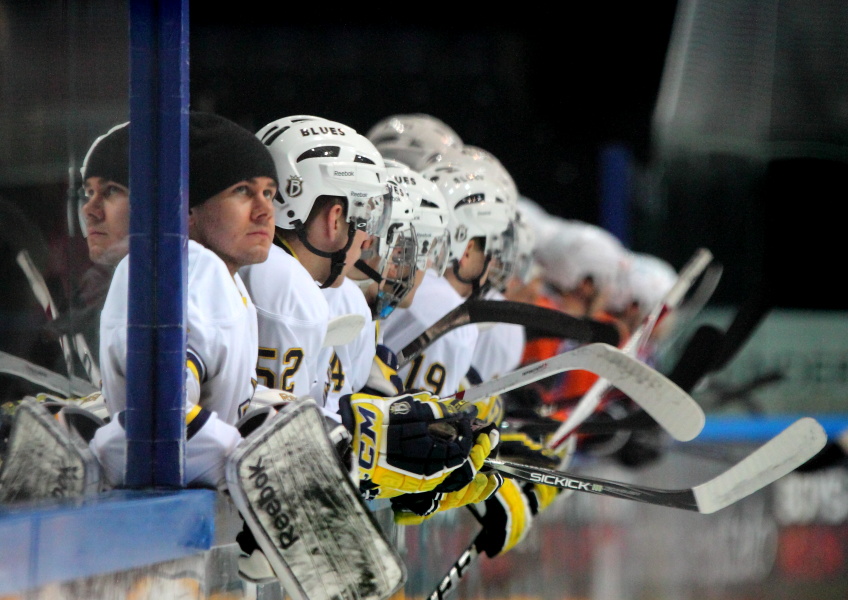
[(45, 460), (319, 536)]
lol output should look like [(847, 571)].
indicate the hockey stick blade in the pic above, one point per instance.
[(672, 408), (539, 319), (13, 365), (781, 455), (343, 330)]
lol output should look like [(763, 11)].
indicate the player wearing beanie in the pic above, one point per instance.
[(104, 198), (232, 180)]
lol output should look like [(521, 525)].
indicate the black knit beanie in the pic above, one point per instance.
[(222, 153), (109, 156)]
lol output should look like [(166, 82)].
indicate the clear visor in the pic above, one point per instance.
[(433, 253), (524, 267), (503, 252), (370, 214)]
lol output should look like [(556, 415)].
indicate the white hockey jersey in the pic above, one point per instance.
[(292, 315), (443, 364), (221, 336), (350, 364), (500, 346)]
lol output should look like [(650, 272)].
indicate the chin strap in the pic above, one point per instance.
[(337, 258), (476, 287), (366, 269)]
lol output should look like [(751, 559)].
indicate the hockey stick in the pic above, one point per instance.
[(456, 572), (781, 455), (671, 407), (589, 402), (784, 453), (343, 330), (42, 293), (692, 305), (551, 322), (13, 365)]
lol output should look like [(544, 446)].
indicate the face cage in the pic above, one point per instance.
[(399, 266), (371, 215)]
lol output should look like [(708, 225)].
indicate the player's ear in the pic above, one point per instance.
[(336, 220)]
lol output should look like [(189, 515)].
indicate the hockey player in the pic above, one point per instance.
[(103, 211), (384, 275), (331, 201), (105, 198), (646, 280), (232, 181), (479, 214), (415, 200), (582, 265)]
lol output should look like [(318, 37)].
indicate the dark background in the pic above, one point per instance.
[(546, 92), (543, 91)]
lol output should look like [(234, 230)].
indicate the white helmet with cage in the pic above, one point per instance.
[(430, 216), (478, 207), (316, 157), (412, 139)]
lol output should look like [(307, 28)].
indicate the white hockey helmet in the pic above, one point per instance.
[(579, 250), (316, 157), (412, 139), (430, 216), (478, 207), (645, 281), (480, 161)]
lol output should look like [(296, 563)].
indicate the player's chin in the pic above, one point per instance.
[(257, 252)]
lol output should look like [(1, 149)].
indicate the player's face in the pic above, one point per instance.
[(407, 300), (360, 239), (238, 223), (474, 265), (106, 211)]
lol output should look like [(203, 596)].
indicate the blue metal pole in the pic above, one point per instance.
[(158, 243), (616, 183)]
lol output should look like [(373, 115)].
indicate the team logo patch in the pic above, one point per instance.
[(461, 233), (400, 408), (294, 186)]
